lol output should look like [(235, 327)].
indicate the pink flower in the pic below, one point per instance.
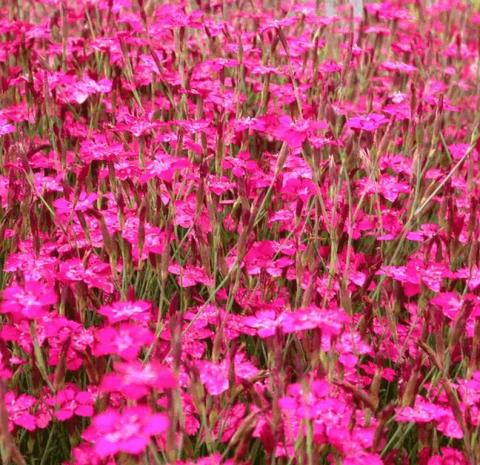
[(295, 133), (96, 274), (165, 166), (363, 459), (398, 66), (71, 401), (369, 123), (449, 303), (190, 275), (230, 422), (425, 412), (265, 322), (31, 300), (82, 204), (121, 311), (154, 242), (79, 91), (84, 454), (98, 147), (422, 412), (5, 372), (189, 411), (291, 133), (126, 341), (129, 431), (214, 376), (330, 321), (448, 456), (244, 369), (21, 412), (5, 127), (135, 380)]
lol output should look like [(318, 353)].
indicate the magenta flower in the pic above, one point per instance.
[(98, 147), (121, 311), (265, 322), (241, 229), (30, 301), (154, 242), (363, 459), (244, 369), (398, 66), (449, 303), (230, 423), (165, 167), (71, 401), (125, 341), (135, 380), (96, 274), (425, 412), (84, 454), (129, 431), (369, 123), (190, 275), (448, 456), (21, 412), (188, 409), (292, 133), (214, 376), (78, 91), (82, 204), (330, 321), (5, 127)]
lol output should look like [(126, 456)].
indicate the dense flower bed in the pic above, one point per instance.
[(239, 233)]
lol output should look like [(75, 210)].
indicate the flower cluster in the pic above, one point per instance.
[(239, 233)]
